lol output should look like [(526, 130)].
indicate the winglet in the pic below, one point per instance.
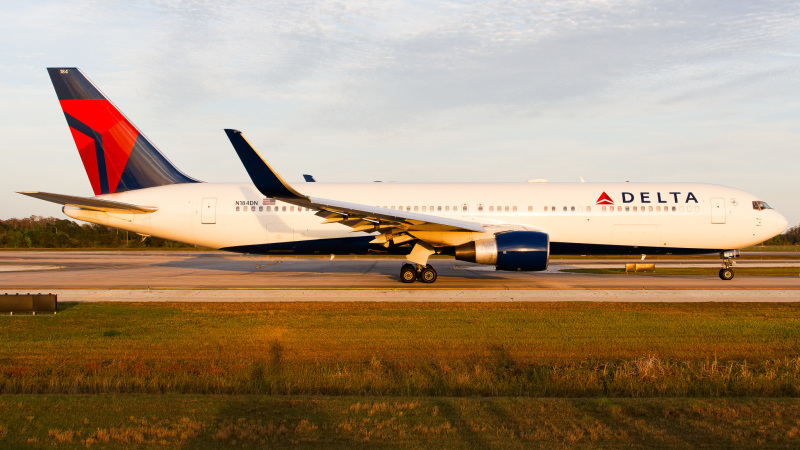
[(264, 177)]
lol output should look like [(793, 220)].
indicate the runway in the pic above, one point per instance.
[(220, 276)]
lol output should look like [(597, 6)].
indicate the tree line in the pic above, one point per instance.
[(790, 237), (49, 232)]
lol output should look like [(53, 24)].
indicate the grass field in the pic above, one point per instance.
[(391, 374), (213, 421)]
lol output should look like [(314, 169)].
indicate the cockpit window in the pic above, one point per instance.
[(758, 205)]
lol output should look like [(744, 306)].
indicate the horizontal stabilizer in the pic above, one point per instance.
[(95, 204)]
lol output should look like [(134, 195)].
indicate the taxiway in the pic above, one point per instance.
[(219, 276)]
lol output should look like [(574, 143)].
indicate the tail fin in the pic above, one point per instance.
[(116, 155)]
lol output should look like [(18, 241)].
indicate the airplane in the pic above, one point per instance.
[(512, 226)]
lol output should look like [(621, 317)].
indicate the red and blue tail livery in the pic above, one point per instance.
[(116, 155)]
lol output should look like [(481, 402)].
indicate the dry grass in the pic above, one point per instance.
[(343, 422)]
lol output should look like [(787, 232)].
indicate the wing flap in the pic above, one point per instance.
[(95, 204)]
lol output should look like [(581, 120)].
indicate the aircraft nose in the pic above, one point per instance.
[(781, 223)]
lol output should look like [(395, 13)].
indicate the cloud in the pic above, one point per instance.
[(461, 82)]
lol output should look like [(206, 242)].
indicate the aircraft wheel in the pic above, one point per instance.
[(428, 275), (726, 274), (408, 273)]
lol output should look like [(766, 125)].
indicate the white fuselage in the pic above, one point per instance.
[(660, 215)]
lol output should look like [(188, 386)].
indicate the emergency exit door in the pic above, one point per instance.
[(717, 210), (208, 210)]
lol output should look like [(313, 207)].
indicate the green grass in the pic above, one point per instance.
[(435, 375), (773, 248), (699, 271), (406, 349), (212, 421)]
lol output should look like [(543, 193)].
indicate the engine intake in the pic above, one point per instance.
[(514, 250)]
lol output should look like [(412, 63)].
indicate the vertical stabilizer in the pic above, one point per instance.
[(116, 155)]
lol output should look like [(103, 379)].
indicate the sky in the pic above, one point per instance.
[(651, 91)]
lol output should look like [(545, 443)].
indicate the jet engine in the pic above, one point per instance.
[(513, 250)]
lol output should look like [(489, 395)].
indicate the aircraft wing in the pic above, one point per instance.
[(358, 216), (95, 204)]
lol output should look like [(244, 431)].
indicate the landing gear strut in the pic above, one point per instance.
[(726, 273), (410, 273)]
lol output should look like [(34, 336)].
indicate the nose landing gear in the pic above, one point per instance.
[(726, 273), (410, 273)]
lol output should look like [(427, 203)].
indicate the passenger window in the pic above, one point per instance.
[(572, 208), (237, 208), (619, 208), (506, 208), (491, 209), (545, 209), (424, 208), (565, 208), (480, 207), (604, 209), (447, 208), (552, 208), (464, 208), (627, 208), (439, 208), (514, 208), (635, 209), (416, 208), (674, 209), (530, 208), (588, 209), (260, 209), (253, 208)]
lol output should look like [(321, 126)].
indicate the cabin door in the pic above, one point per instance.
[(208, 210)]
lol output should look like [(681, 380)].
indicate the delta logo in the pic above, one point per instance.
[(649, 197), (604, 199)]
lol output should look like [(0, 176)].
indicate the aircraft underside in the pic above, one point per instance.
[(360, 245)]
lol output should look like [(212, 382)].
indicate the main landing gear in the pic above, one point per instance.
[(411, 272), (726, 273)]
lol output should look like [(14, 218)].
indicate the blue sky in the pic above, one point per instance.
[(415, 91)]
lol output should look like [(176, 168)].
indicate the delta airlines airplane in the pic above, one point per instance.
[(512, 226)]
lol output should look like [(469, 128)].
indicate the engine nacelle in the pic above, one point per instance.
[(514, 250)]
